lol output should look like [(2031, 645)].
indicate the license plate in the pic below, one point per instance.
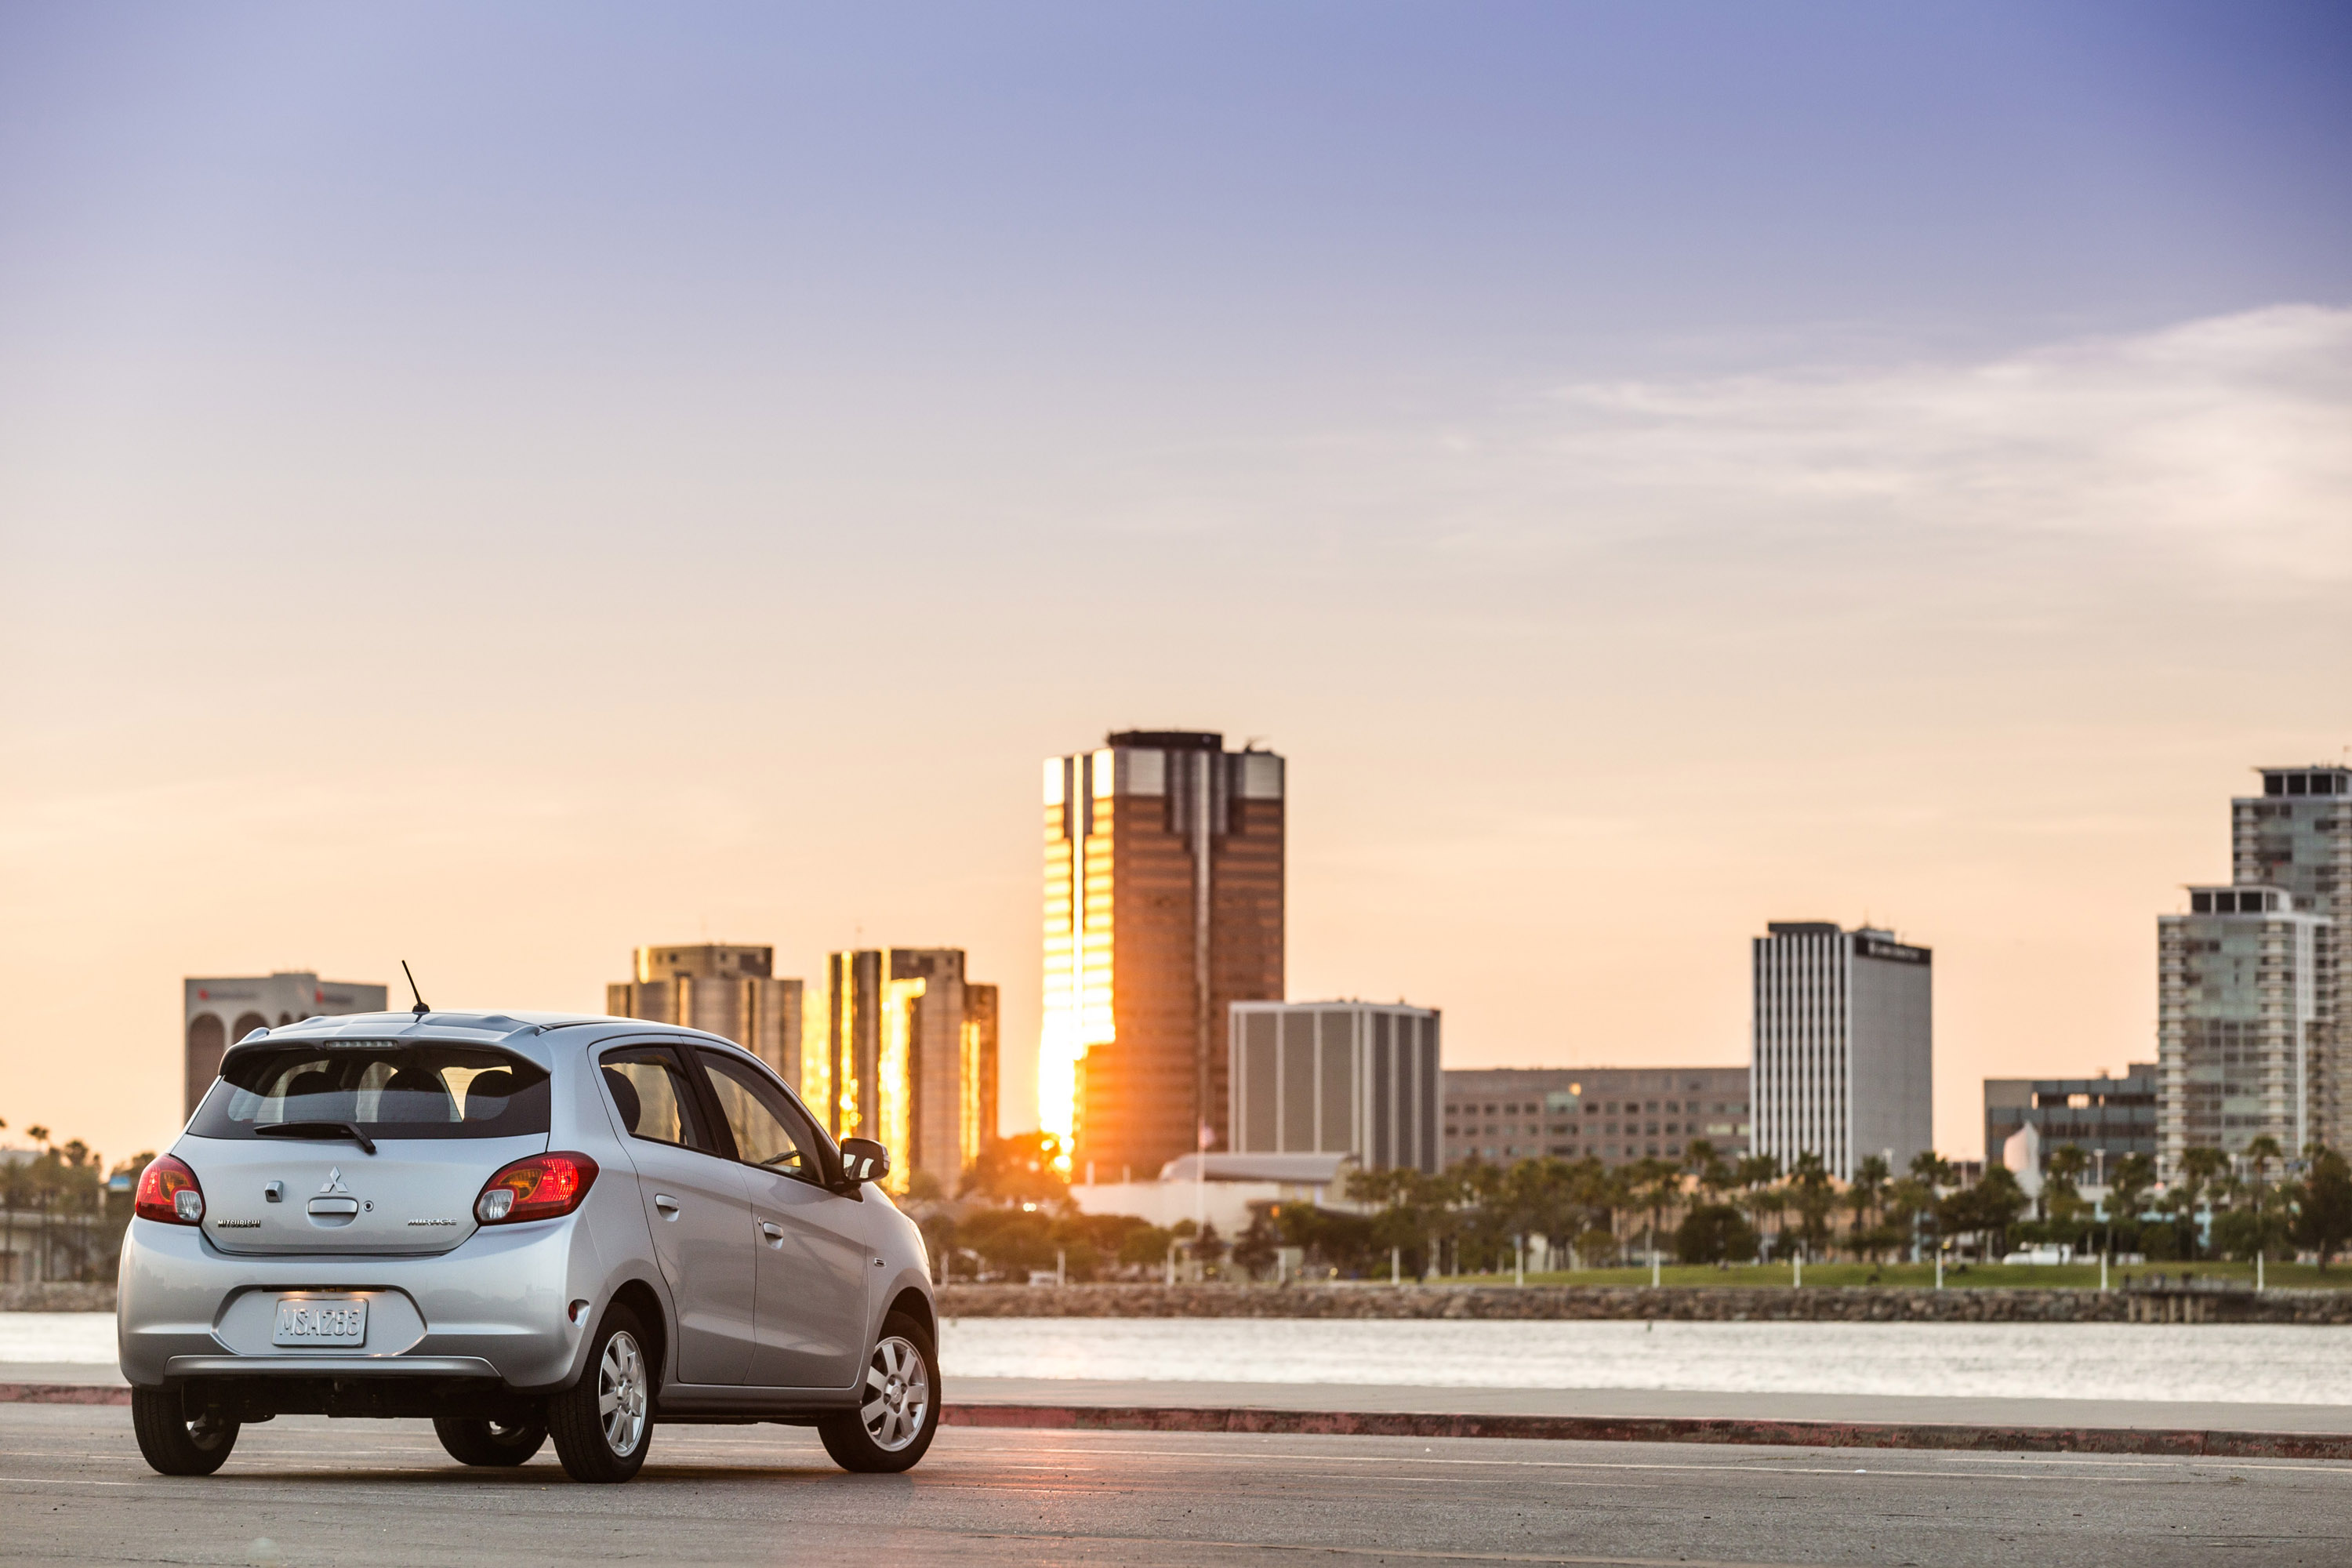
[(321, 1320)]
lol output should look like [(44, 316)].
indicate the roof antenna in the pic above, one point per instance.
[(420, 1009)]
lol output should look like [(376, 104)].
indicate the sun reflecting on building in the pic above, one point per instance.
[(903, 1050), (1163, 904), (1078, 953)]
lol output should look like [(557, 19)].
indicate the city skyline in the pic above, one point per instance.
[(486, 488)]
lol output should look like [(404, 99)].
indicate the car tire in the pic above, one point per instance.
[(473, 1441), (603, 1423), (170, 1442), (892, 1428)]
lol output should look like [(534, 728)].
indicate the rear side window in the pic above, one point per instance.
[(385, 1089), (650, 1089)]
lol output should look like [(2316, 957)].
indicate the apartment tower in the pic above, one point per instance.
[(905, 1052), (723, 988), (2242, 1028), (1843, 1059), (1163, 907), (2296, 837)]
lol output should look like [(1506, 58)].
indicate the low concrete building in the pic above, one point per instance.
[(2107, 1117), (1220, 1189), (1610, 1114), (221, 1011)]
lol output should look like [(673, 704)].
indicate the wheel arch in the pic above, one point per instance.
[(644, 1302), (917, 1306)]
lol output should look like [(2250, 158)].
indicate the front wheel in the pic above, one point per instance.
[(603, 1423), (892, 1428), (471, 1441), (172, 1443)]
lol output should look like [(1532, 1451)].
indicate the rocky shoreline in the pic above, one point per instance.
[(1715, 1304)]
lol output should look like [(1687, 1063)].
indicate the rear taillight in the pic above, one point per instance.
[(168, 1192), (542, 1187)]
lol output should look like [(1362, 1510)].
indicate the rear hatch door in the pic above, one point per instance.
[(359, 1145), (282, 1196)]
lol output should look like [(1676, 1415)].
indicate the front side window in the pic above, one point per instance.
[(383, 1088), (768, 1132), (648, 1087)]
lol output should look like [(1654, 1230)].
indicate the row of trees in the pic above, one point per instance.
[(2215, 1205), (58, 1211), (1476, 1216)]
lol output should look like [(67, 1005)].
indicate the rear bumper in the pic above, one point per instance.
[(495, 1307), (336, 1366)]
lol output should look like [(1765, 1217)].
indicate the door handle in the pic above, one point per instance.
[(771, 1230), (667, 1203)]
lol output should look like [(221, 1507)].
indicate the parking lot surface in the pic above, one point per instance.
[(303, 1490)]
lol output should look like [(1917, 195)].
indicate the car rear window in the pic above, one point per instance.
[(386, 1089)]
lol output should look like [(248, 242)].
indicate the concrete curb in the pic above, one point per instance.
[(63, 1394), (1665, 1429), (2177, 1442)]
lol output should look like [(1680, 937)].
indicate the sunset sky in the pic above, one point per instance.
[(496, 485)]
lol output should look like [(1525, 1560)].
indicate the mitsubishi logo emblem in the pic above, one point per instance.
[(334, 1182)]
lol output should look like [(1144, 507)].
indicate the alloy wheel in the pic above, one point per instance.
[(621, 1394), (898, 1394)]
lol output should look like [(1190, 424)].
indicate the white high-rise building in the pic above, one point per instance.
[(2296, 837), (2241, 1022), (1844, 1047)]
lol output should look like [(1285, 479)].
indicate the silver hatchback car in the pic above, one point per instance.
[(519, 1226)]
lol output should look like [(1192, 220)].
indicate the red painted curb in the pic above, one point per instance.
[(1665, 1429), (2176, 1441), (63, 1394)]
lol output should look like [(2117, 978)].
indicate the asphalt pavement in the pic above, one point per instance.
[(303, 1490)]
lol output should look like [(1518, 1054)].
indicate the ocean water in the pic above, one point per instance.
[(2261, 1364)]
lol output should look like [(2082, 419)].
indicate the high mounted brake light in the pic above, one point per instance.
[(168, 1192), (544, 1186)]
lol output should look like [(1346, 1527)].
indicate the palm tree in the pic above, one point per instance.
[(1866, 1196), (2127, 1191), (1657, 1184), (2260, 1152), (1809, 1178)]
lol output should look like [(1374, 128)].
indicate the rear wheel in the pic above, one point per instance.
[(172, 1443), (603, 1423), (892, 1428), (471, 1441)]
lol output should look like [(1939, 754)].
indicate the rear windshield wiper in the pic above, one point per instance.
[(315, 1129)]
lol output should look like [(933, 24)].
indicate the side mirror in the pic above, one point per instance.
[(863, 1160)]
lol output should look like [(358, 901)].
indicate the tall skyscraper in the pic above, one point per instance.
[(224, 1011), (1844, 1059), (1163, 907), (2296, 837), (730, 990), (905, 1052)]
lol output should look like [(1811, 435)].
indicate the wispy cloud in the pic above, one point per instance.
[(2227, 438)]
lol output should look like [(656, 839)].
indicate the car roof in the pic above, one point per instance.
[(535, 1036)]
